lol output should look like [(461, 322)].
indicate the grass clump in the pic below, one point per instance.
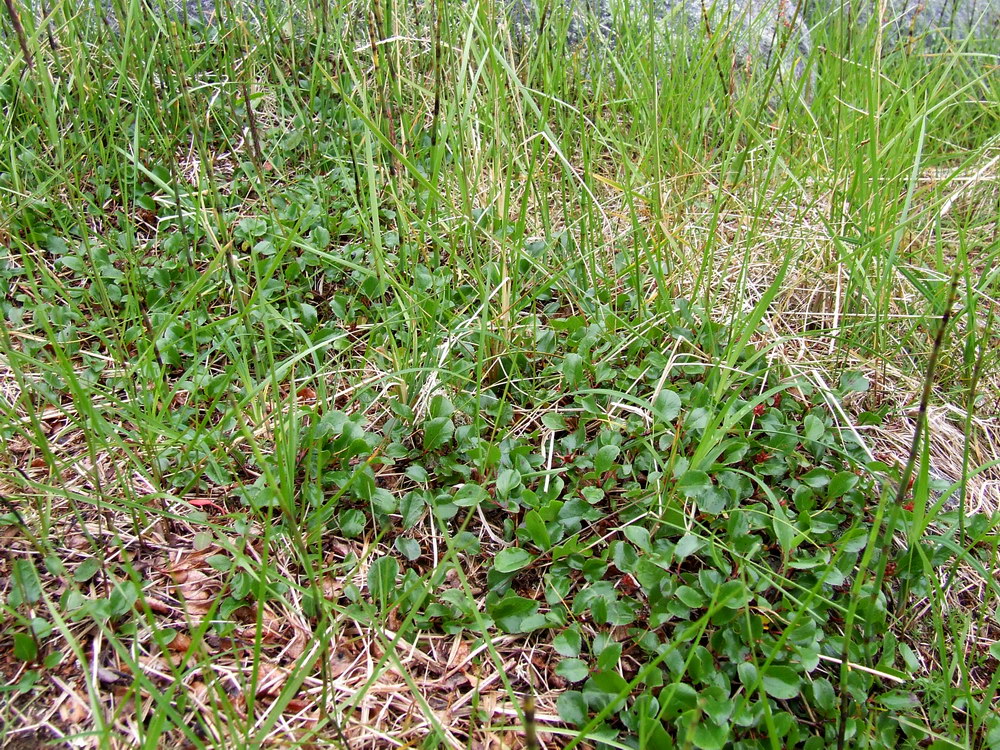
[(401, 388)]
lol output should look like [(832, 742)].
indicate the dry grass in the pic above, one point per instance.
[(290, 679), (357, 682)]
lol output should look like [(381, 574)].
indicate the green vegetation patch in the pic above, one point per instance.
[(409, 391)]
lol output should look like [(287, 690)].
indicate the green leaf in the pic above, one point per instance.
[(713, 501), (25, 648), (708, 736), (508, 481), (573, 670), (853, 541), (747, 673), (123, 598), (27, 681), (605, 688), (87, 570), (690, 597), (666, 406), (993, 736), (624, 556), (384, 501), (568, 642), (784, 531), (382, 578), (813, 427), (511, 612), (554, 421), (609, 656), (913, 662), (842, 483), (781, 682), (437, 432), (408, 548), (74, 264), (441, 406), (605, 458), (320, 237), (817, 478), (469, 495), (717, 704), (639, 536), (852, 381), (687, 546), (572, 707), (351, 522), (27, 586), (677, 698), (41, 627), (536, 530), (734, 451), (54, 565), (417, 473), (466, 541), (823, 694), (572, 370), (265, 248), (242, 584), (511, 559), (694, 483), (222, 563), (899, 700)]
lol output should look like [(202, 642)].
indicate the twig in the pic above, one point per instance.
[(19, 31), (901, 490)]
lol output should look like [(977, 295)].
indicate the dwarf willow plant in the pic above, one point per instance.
[(376, 324)]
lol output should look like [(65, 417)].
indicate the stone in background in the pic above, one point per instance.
[(936, 23), (758, 32)]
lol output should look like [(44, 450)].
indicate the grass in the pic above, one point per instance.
[(367, 381)]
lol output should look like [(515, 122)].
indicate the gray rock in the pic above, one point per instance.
[(936, 23), (757, 33), (195, 12)]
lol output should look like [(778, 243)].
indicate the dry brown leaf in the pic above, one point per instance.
[(19, 444), (332, 587), (195, 610), (270, 679), (76, 542), (297, 645), (73, 710), (180, 642), (196, 586), (198, 691), (340, 662), (156, 606), (189, 561), (301, 706)]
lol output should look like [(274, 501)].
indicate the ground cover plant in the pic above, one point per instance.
[(369, 381)]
